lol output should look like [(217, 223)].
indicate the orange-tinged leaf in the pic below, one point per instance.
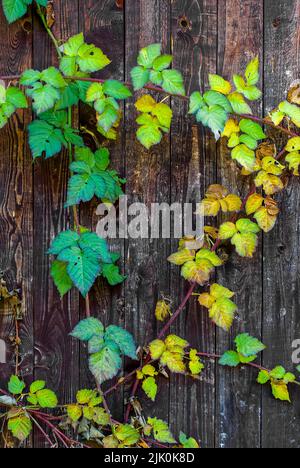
[(206, 300), (272, 166), (254, 202), (271, 183), (216, 191), (234, 203)]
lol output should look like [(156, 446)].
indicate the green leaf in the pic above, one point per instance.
[(196, 102), (140, 77), (44, 97), (213, 98), (60, 277), (108, 118), (16, 97), (123, 339), (15, 385), (37, 385), (148, 54), (263, 377), (239, 104), (44, 138), (247, 345), (278, 373), (213, 117), (29, 77), (112, 274), (173, 82), (244, 156), (47, 398), (250, 142), (68, 66), (53, 77), (92, 244), (245, 225), (127, 434), (72, 46), (91, 59), (69, 96), (83, 268), (64, 240), (95, 344), (252, 129), (87, 328), (227, 230), (188, 443), (150, 388), (105, 364), (161, 431), (292, 111), (14, 9), (116, 89), (230, 358), (149, 135), (162, 62), (252, 72), (20, 427)]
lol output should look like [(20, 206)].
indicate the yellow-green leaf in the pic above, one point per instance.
[(294, 162), (244, 156), (254, 202), (162, 310), (182, 256), (74, 412), (150, 387), (157, 347), (173, 361), (280, 391), (217, 83), (265, 221), (227, 230), (245, 243), (222, 313), (217, 291)]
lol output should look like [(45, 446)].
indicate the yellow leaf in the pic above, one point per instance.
[(162, 311), (265, 221), (146, 103), (271, 183), (224, 206), (272, 166), (293, 145), (174, 362), (211, 232), (277, 117), (222, 313), (206, 300), (280, 391), (233, 202), (209, 207), (191, 272), (217, 83), (231, 127), (157, 347), (174, 340), (149, 370), (195, 363), (182, 256), (217, 291), (212, 257), (139, 375), (245, 243), (294, 161), (254, 202), (227, 230)]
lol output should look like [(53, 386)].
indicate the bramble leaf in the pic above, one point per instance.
[(123, 339), (188, 443), (280, 391), (239, 104), (252, 72), (20, 427), (15, 385), (173, 82), (263, 377), (37, 385), (222, 313), (116, 89), (248, 346), (148, 54), (161, 431), (244, 156), (47, 398), (127, 435), (140, 77), (217, 83), (162, 310), (230, 358), (88, 328), (157, 348), (105, 364), (150, 388)]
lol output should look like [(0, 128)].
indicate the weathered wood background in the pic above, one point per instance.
[(227, 408)]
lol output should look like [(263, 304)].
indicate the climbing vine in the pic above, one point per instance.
[(80, 256)]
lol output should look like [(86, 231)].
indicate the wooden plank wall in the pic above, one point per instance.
[(226, 409)]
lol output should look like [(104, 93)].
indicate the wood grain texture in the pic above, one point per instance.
[(16, 213), (103, 24), (238, 396), (281, 273), (148, 181), (226, 408), (56, 354), (193, 168)]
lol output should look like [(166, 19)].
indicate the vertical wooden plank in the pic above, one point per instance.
[(103, 25), (193, 168), (148, 181), (238, 397), (56, 354), (16, 214), (281, 325)]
